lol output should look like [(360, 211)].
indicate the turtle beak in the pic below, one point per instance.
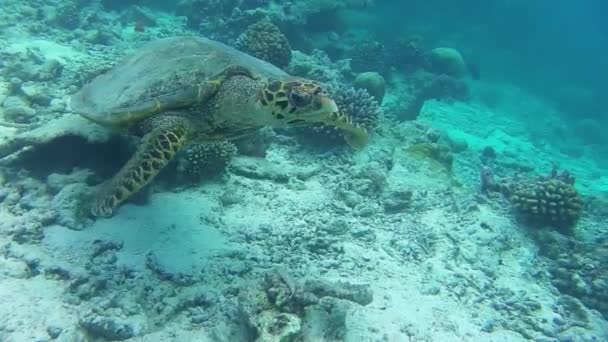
[(323, 109), (326, 104)]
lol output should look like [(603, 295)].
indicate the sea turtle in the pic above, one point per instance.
[(177, 90)]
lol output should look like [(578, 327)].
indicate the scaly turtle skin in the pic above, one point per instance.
[(184, 89)]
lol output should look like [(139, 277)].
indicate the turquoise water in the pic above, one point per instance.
[(288, 170)]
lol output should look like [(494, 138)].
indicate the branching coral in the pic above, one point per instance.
[(551, 201), (543, 201), (357, 104), (265, 41), (206, 160)]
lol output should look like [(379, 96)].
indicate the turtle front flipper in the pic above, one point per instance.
[(155, 151)]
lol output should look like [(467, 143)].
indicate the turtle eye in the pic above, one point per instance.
[(298, 99)]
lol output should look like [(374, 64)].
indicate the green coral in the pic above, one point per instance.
[(265, 40), (206, 160), (552, 202)]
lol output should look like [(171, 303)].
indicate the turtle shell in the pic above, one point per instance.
[(166, 74)]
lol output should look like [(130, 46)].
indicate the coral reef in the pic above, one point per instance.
[(30, 204), (397, 200), (318, 66), (222, 20), (265, 41), (315, 14), (406, 53), (551, 201), (282, 308), (102, 276), (29, 65), (368, 56), (577, 269), (423, 86), (446, 61), (30, 91), (373, 82), (206, 160), (597, 206), (197, 11), (437, 152), (357, 104), (539, 201)]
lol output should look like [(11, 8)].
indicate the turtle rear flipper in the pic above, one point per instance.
[(155, 151)]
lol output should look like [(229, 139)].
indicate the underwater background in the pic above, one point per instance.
[(477, 211)]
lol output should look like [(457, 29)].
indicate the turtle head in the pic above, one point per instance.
[(296, 101), (299, 102)]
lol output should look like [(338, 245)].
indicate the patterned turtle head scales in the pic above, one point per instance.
[(296, 101)]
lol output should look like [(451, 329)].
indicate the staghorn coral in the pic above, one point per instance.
[(551, 201), (265, 41), (206, 160), (358, 104)]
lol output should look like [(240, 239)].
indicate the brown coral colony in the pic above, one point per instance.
[(265, 40), (549, 202)]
